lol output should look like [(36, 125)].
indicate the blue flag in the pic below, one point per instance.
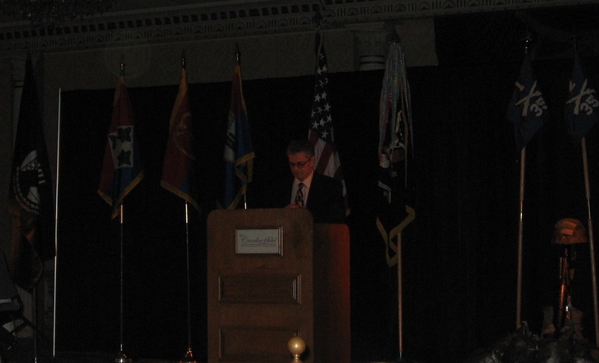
[(239, 152), (122, 169), (527, 109), (582, 108)]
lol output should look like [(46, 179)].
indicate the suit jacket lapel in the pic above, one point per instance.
[(315, 189)]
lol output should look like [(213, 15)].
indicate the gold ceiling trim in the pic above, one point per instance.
[(200, 22)]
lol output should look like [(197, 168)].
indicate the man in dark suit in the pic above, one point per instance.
[(320, 194)]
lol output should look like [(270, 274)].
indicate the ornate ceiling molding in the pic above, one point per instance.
[(238, 19)]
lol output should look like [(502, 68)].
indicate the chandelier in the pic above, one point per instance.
[(52, 12)]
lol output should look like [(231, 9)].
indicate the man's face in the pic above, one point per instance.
[(301, 165)]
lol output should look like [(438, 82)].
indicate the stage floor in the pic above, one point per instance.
[(23, 352)]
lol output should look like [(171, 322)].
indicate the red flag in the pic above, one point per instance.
[(122, 169), (179, 169)]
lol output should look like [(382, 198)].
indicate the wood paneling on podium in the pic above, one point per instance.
[(272, 275)]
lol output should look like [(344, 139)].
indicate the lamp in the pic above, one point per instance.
[(53, 12)]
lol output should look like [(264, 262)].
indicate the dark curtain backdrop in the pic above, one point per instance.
[(459, 254)]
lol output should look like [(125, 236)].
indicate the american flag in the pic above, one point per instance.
[(321, 123)]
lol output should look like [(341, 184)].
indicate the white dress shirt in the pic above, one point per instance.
[(305, 189)]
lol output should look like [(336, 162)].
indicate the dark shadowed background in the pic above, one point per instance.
[(459, 254)]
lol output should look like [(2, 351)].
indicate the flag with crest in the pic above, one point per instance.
[(239, 152), (395, 128), (179, 169), (582, 108), (527, 109), (122, 168), (30, 198), (320, 133)]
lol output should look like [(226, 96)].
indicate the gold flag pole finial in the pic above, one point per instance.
[(395, 37), (527, 39), (183, 63), (122, 71), (237, 54), (317, 18), (574, 38)]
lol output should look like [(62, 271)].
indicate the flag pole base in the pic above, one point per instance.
[(188, 358), (122, 358)]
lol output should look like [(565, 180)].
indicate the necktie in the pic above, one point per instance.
[(299, 196)]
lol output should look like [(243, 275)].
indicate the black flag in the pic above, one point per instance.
[(30, 198)]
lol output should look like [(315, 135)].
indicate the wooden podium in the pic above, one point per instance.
[(272, 275)]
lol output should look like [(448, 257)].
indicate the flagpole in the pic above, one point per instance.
[(587, 188), (121, 358), (395, 88), (56, 224), (188, 285), (189, 354), (520, 243), (400, 296), (238, 61), (407, 130), (527, 40)]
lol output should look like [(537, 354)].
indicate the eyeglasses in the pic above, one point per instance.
[(299, 164)]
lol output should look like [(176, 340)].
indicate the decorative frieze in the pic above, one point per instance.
[(209, 21)]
